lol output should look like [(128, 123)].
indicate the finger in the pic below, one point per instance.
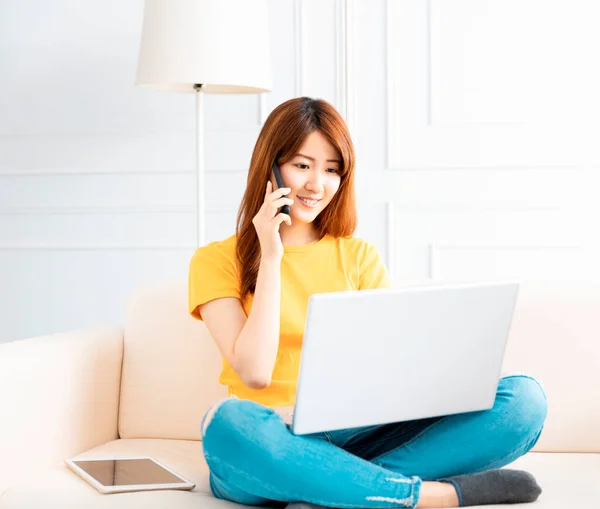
[(281, 202), (279, 193), (281, 217), (275, 206), (268, 189)]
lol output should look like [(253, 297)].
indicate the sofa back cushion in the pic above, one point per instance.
[(171, 366), (555, 337)]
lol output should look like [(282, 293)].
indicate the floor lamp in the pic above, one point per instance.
[(204, 47)]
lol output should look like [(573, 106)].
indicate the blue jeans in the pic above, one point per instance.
[(255, 459)]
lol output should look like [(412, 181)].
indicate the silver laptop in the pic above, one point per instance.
[(389, 355)]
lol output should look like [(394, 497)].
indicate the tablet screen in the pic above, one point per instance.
[(124, 472)]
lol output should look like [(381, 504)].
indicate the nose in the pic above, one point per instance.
[(315, 182)]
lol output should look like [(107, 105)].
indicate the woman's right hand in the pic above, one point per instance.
[(267, 221)]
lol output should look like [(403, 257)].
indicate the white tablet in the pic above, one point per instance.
[(128, 474)]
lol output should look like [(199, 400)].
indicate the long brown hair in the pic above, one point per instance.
[(281, 137)]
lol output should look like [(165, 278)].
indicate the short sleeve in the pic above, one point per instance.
[(212, 275), (373, 272)]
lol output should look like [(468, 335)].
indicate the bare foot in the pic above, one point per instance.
[(437, 494)]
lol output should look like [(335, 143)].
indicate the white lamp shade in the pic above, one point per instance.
[(222, 44)]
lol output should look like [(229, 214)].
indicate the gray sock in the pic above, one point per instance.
[(502, 486)]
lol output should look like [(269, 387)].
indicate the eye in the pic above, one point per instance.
[(329, 170)]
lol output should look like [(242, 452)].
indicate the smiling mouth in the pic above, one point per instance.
[(307, 202)]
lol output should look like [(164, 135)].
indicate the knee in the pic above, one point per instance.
[(526, 406), (235, 412), (228, 410), (220, 421), (208, 416), (232, 418), (239, 430)]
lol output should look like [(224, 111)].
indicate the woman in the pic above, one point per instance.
[(252, 289)]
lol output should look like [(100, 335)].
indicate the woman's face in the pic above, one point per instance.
[(313, 174)]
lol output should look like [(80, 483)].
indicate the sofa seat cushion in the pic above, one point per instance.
[(567, 479), (59, 487)]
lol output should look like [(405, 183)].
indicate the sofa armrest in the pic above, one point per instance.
[(59, 396)]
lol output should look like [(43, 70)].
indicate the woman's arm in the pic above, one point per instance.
[(252, 351), (256, 347), (249, 344)]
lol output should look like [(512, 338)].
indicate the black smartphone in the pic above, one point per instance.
[(286, 208)]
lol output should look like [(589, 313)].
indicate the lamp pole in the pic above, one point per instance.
[(200, 205)]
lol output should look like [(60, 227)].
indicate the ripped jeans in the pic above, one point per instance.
[(255, 459)]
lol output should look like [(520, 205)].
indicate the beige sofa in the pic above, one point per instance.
[(142, 390)]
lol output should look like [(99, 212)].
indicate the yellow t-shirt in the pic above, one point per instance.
[(329, 265)]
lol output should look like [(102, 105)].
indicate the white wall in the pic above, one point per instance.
[(477, 126), (474, 121)]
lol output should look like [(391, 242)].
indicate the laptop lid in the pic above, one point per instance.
[(388, 355)]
